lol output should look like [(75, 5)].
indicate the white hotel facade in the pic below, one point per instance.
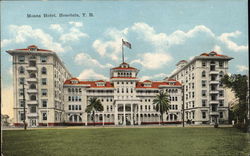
[(54, 97)]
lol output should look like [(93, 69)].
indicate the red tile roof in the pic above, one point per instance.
[(33, 46), (212, 53), (155, 84), (124, 77)]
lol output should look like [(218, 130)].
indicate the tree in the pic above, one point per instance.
[(94, 105), (238, 84), (162, 103)]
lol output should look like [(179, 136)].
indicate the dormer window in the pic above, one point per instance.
[(74, 81), (100, 83), (171, 83), (32, 48)]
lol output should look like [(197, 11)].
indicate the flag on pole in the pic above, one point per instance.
[(127, 44)]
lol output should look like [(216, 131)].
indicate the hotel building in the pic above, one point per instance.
[(53, 97), (205, 98), (43, 75)]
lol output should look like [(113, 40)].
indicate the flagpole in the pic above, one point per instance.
[(122, 52)]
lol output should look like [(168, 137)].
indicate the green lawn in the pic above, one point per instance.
[(126, 141)]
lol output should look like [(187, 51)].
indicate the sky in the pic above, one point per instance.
[(161, 33)]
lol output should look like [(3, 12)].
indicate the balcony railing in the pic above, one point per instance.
[(32, 91), (214, 113), (31, 68), (31, 79), (214, 92), (214, 72), (32, 114), (32, 102), (214, 102)]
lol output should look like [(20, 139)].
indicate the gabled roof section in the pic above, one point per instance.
[(157, 84), (124, 66), (31, 48), (90, 84)]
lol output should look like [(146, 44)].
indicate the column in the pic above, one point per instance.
[(116, 114), (103, 118), (132, 115), (139, 114), (124, 115)]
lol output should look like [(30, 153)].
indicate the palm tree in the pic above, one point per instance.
[(94, 105), (162, 103)]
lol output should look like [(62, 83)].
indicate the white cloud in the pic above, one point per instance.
[(225, 38), (76, 24), (217, 49), (111, 48), (85, 59), (91, 74), (162, 40), (242, 68), (74, 35), (153, 60), (24, 33), (160, 76), (56, 27)]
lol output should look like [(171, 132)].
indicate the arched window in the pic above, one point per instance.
[(21, 70), (32, 97), (32, 75), (32, 86), (44, 70), (221, 74), (203, 74)]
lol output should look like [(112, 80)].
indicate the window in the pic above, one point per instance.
[(203, 74), (20, 92), (80, 107), (203, 83), (203, 64), (221, 114), (203, 115), (69, 107), (221, 64), (21, 59), (44, 116), (21, 116), (21, 70), (33, 97), (44, 70), (43, 59), (204, 103), (221, 102), (73, 107), (221, 74), (44, 103), (221, 93), (69, 98), (32, 109), (21, 103), (44, 81), (203, 93), (32, 86), (44, 92), (21, 80)]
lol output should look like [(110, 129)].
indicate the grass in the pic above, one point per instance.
[(126, 142)]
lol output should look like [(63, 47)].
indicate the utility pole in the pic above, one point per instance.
[(24, 108), (183, 97)]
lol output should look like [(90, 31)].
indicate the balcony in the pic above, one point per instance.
[(32, 102), (214, 92), (31, 79), (32, 115), (213, 102), (214, 81), (214, 72), (214, 113), (31, 68), (32, 91)]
